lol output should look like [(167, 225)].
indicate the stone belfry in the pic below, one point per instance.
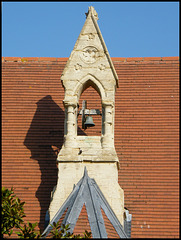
[(89, 65)]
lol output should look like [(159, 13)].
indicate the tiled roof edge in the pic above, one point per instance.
[(144, 59), (33, 59), (53, 59)]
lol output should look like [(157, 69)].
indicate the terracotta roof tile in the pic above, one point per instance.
[(146, 137)]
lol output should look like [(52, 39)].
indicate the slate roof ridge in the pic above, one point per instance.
[(87, 192)]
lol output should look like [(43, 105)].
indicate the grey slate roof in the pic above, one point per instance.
[(87, 192)]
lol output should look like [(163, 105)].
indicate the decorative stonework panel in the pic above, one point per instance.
[(89, 54)]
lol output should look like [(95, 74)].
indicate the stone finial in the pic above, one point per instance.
[(92, 11)]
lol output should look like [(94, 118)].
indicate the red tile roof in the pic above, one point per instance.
[(146, 136)]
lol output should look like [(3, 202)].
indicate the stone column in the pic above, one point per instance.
[(108, 134), (71, 131)]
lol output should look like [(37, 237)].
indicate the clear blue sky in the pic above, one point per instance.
[(129, 29)]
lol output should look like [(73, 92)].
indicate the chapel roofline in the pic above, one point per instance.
[(64, 59)]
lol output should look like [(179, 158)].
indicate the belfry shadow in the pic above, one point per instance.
[(44, 139)]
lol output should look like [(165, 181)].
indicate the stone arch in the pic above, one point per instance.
[(85, 82)]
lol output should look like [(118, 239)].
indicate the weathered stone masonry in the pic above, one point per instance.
[(89, 65)]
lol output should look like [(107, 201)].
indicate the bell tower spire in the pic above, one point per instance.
[(89, 64)]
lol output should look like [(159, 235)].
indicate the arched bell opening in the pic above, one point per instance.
[(100, 106), (90, 94), (87, 81)]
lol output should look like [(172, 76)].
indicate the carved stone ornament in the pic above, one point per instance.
[(102, 67), (89, 54), (91, 36), (77, 67)]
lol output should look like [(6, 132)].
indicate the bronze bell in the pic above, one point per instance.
[(89, 122)]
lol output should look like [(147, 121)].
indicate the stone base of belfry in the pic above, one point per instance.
[(105, 175)]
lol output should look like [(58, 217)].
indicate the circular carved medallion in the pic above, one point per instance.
[(89, 54)]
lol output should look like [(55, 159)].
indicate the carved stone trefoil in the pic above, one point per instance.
[(78, 67), (102, 67), (91, 36)]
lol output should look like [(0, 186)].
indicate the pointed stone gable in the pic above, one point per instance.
[(90, 60)]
